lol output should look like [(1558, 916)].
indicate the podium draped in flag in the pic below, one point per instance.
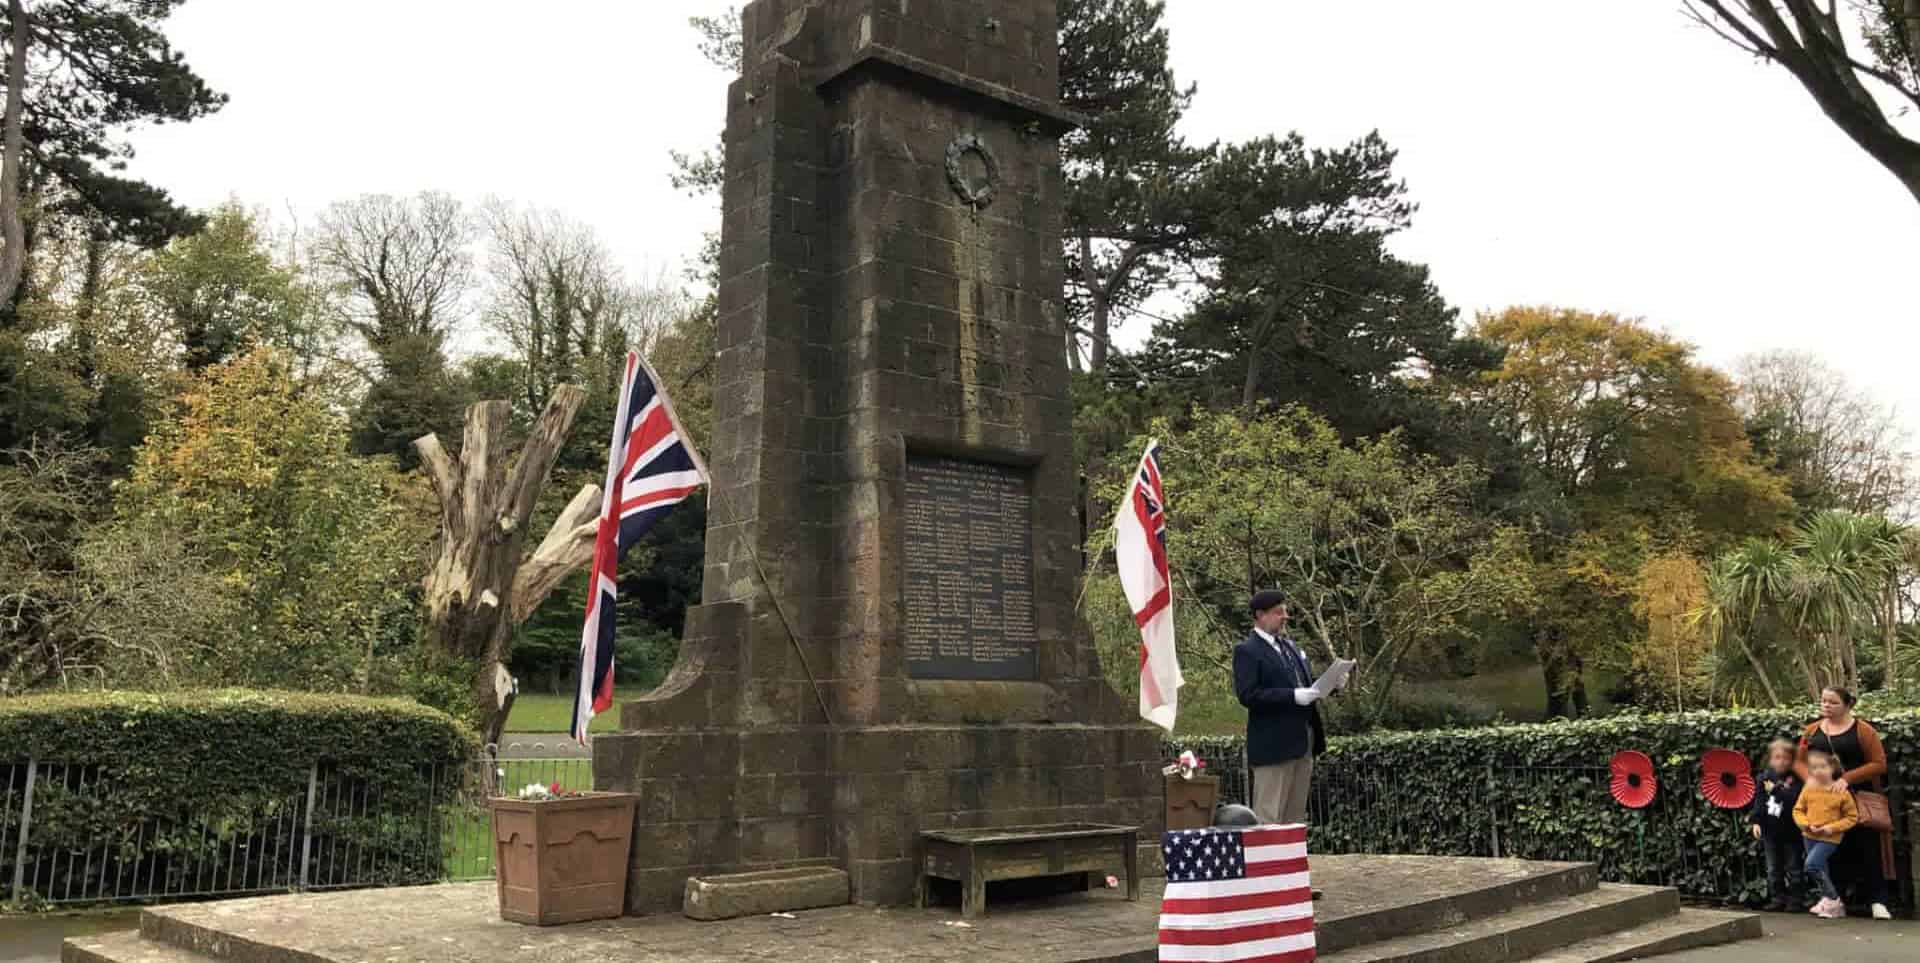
[(1237, 894)]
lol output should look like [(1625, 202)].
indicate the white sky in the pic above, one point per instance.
[(1609, 156)]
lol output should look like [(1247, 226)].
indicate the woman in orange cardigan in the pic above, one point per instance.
[(1865, 857)]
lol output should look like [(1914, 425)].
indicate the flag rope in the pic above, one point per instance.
[(753, 555)]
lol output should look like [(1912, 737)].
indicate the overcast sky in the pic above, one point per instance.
[(1609, 156)]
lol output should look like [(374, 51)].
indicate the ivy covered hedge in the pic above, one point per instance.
[(1541, 792), (141, 794)]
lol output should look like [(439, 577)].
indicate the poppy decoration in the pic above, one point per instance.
[(1633, 782), (1726, 778)]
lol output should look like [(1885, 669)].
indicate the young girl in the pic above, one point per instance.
[(1824, 814), (1773, 826)]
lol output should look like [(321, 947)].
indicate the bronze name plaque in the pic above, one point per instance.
[(969, 570)]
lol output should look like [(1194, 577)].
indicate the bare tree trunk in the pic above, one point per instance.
[(480, 587), (13, 259), (1759, 669), (1890, 610)]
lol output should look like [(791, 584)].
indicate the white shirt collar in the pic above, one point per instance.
[(1263, 634)]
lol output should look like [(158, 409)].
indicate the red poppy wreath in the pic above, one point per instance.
[(1633, 782), (1726, 778)]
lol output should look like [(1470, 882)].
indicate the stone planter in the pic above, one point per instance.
[(562, 860), (1190, 802)]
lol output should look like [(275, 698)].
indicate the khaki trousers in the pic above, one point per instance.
[(1280, 791)]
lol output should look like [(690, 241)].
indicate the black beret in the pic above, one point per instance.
[(1266, 599)]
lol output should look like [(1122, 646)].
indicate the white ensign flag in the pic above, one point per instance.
[(1140, 547)]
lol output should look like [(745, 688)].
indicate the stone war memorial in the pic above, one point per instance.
[(887, 640), (886, 682)]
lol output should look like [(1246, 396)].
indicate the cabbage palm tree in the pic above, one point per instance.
[(1742, 587), (1843, 563), (1805, 600)]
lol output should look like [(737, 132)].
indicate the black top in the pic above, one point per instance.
[(1844, 747), (1773, 803)]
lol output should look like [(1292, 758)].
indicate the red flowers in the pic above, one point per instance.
[(1726, 778), (1633, 782)]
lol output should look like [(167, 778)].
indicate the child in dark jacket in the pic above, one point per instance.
[(1773, 825)]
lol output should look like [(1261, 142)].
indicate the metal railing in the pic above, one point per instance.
[(73, 834), (1557, 813)]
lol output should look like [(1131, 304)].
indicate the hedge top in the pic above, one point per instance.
[(194, 728)]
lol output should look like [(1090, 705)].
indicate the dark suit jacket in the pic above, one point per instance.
[(1278, 729)]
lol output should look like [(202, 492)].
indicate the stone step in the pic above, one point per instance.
[(1394, 914), (1685, 930), (1524, 931), (124, 947), (163, 926)]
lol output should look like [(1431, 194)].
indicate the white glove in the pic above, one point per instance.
[(1306, 697)]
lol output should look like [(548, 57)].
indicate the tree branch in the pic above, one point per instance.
[(568, 546)]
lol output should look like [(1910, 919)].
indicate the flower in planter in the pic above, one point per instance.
[(1188, 765), (534, 790)]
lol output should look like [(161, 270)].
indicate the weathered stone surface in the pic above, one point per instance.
[(771, 891), (890, 285), (1471, 910)]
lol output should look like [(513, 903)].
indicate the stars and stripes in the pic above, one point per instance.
[(1140, 551), (1237, 896), (651, 467)]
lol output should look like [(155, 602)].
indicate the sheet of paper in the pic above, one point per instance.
[(1331, 680)]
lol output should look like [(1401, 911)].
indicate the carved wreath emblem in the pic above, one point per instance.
[(972, 170)]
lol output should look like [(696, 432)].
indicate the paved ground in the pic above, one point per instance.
[(36, 939), (1790, 939), (1803, 939), (460, 923)]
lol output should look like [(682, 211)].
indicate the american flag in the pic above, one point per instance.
[(651, 467), (1237, 895)]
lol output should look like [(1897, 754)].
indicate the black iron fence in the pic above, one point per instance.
[(69, 834), (1558, 813)]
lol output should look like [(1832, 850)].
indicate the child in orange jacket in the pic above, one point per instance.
[(1824, 814)]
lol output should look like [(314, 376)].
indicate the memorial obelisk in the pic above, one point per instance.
[(887, 639)]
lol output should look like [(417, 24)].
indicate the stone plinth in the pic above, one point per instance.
[(1424, 908), (887, 639)]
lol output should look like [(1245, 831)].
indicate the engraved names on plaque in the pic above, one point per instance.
[(969, 570)]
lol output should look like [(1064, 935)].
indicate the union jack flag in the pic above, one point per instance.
[(1237, 894), (651, 467)]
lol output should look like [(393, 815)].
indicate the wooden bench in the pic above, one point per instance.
[(975, 857)]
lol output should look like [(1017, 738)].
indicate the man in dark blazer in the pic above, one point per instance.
[(1274, 681)]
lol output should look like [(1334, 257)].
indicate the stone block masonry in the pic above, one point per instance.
[(889, 297)]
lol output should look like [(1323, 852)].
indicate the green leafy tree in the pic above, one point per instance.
[(1799, 603), (298, 559), (221, 291), (1129, 176), (1304, 305), (79, 73), (1378, 550), (1638, 452)]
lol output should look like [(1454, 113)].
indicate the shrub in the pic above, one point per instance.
[(1541, 792), (187, 792)]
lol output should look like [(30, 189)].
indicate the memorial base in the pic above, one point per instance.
[(736, 800)]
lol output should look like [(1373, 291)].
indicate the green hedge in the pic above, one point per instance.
[(155, 795), (1541, 792)]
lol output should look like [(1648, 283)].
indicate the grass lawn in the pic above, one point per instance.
[(1520, 692), (469, 843), (539, 712)]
